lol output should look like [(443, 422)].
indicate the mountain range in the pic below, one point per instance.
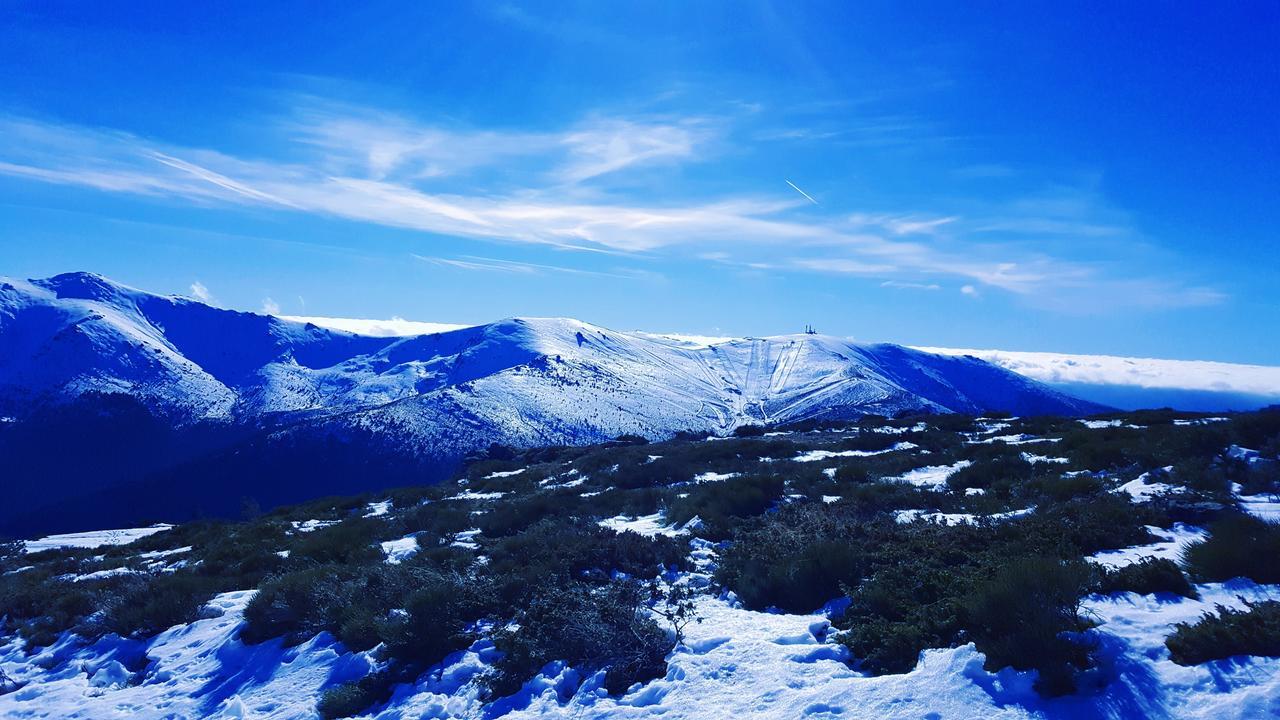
[(249, 406), (79, 332)]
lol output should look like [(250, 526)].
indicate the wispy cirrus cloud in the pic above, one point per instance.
[(499, 265), (382, 146), (900, 285), (549, 188)]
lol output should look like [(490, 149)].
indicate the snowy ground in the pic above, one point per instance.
[(647, 525), (735, 664), (933, 475), (92, 539)]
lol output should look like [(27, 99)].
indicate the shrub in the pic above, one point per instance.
[(1206, 479), (868, 442), (239, 555), (344, 700), (439, 519), (145, 605), (297, 605), (554, 551), (1256, 430), (1081, 526), (1255, 631), (353, 698), (1148, 576), (1057, 488), (590, 628), (40, 607), (991, 465), (349, 542), (353, 603), (1237, 546), (901, 610), (718, 503), (436, 616), (630, 439), (1261, 478), (798, 558), (870, 499), (1020, 615)]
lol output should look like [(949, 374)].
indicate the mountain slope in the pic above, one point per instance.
[(530, 378), (249, 406)]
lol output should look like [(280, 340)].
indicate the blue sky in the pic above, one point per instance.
[(1095, 179)]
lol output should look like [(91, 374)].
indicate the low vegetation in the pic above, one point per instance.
[(1146, 577), (1237, 546), (1227, 633), (530, 550)]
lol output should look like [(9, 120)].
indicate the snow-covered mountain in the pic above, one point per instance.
[(520, 381)]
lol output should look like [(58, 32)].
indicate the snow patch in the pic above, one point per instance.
[(934, 476), (397, 551), (816, 455), (92, 539)]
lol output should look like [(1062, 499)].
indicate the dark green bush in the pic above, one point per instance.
[(590, 628), (798, 558), (1147, 576), (1021, 614), (1254, 631), (297, 605), (554, 551), (41, 607), (1261, 478), (991, 465), (1059, 488), (718, 504), (513, 515), (1256, 430), (1081, 526), (901, 610), (868, 442), (436, 616), (144, 605), (349, 542), (344, 700), (1208, 479), (1237, 546)]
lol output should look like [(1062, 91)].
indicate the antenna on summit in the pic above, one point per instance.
[(809, 330)]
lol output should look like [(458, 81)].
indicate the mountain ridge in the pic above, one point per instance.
[(81, 331), (141, 407)]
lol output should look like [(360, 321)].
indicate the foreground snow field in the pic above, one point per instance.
[(735, 663)]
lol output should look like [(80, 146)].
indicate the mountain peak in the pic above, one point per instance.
[(82, 285)]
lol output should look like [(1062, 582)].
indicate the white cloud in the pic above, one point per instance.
[(384, 146), (969, 290), (395, 327), (610, 145), (201, 293), (471, 262), (910, 285), (1141, 372), (270, 307), (540, 189)]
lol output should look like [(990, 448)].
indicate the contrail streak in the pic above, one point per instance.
[(805, 194)]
